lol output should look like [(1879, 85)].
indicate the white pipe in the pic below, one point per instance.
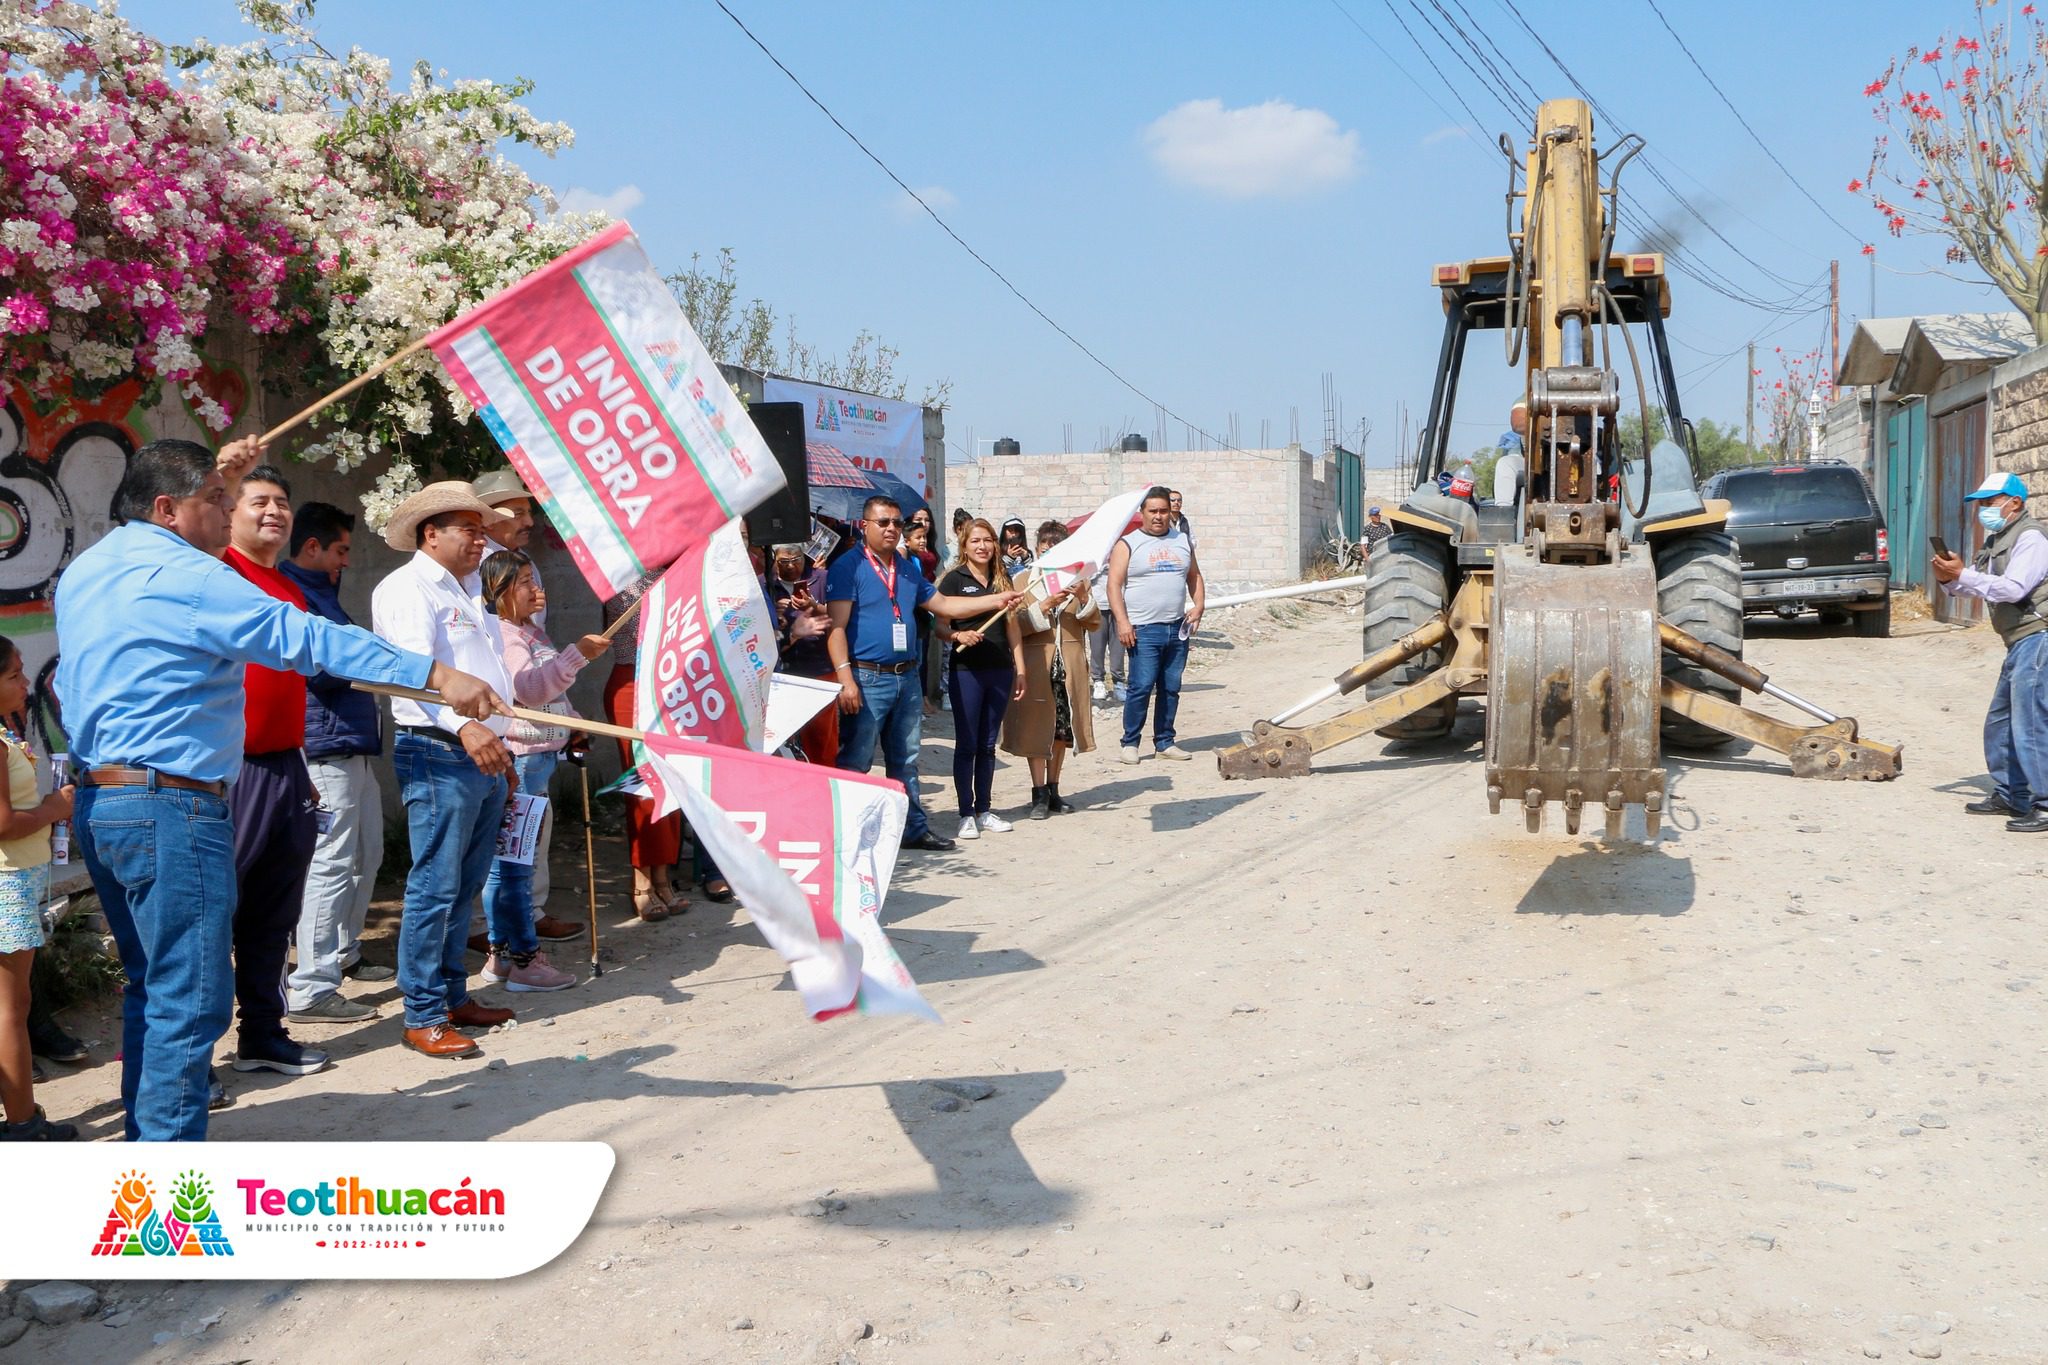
[(1314, 699), (1290, 590)]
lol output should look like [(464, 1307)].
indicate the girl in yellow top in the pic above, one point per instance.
[(25, 820)]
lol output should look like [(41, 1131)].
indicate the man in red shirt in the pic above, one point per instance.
[(273, 804)]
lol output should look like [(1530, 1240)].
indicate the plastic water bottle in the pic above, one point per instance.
[(60, 832)]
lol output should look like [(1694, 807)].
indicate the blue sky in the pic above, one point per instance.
[(1223, 201)]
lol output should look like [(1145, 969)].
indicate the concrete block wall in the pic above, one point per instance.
[(2019, 419), (1258, 516)]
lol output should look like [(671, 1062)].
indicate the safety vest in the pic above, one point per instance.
[(2014, 621)]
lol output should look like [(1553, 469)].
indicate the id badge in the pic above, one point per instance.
[(899, 637), (323, 821)]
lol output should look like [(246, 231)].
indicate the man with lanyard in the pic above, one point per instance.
[(873, 597), (156, 633), (2011, 573)]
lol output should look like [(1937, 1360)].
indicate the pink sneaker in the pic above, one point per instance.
[(496, 968), (538, 975)]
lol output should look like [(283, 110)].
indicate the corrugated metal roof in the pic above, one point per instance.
[(1956, 345)]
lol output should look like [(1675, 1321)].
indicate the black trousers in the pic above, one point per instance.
[(272, 805)]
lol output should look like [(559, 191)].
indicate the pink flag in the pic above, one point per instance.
[(590, 377), (809, 850), (707, 647)]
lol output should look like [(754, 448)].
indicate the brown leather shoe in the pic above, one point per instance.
[(440, 1040), (480, 943), (547, 926), (469, 1014)]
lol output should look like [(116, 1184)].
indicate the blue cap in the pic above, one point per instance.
[(1372, 511), (1998, 486)]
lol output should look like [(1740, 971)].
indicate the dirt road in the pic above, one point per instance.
[(1333, 1070)]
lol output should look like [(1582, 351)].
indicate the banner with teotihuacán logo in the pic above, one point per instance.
[(591, 379), (809, 851), (295, 1210), (707, 647), (885, 434)]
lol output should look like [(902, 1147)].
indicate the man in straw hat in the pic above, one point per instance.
[(156, 632), (452, 770), (502, 489)]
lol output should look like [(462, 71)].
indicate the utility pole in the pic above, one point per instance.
[(1834, 323), (1749, 405)]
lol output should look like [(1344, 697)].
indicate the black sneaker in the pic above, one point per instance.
[(1993, 804), (217, 1096), (368, 971), (279, 1054), (53, 1044), (38, 1128), (2037, 823)]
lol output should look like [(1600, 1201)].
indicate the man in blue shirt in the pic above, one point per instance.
[(874, 596), (155, 632)]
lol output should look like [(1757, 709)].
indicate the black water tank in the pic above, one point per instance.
[(1007, 445), (1134, 442)]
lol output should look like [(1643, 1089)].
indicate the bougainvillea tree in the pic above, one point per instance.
[(1962, 155), (303, 192)]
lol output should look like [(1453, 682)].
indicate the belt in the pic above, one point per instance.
[(903, 667), (115, 775), (433, 732)]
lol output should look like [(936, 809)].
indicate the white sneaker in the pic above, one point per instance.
[(969, 830), (1101, 689), (993, 823), (1129, 753), (1174, 752)]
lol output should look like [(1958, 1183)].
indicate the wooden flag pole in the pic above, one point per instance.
[(628, 614), (595, 727), (344, 391)]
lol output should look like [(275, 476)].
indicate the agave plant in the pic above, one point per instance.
[(191, 1198)]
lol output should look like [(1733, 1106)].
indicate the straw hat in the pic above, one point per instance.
[(450, 495), (500, 485)]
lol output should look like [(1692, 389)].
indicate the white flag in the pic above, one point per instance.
[(1085, 551)]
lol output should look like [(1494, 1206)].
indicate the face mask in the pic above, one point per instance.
[(1991, 519)]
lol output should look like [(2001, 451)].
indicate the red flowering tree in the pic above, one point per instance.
[(1961, 154)]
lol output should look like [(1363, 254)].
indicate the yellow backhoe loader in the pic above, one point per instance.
[(1599, 609)]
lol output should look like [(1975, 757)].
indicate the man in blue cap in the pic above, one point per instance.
[(2011, 574)]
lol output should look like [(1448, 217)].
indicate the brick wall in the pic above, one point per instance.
[(1258, 517), (2019, 419)]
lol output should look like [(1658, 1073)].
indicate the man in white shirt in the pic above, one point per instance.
[(453, 773)]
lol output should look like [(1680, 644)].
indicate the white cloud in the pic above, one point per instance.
[(938, 196), (1449, 130), (617, 204), (1262, 149)]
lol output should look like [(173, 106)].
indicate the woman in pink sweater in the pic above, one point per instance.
[(541, 675)]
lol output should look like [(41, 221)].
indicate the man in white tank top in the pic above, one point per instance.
[(1155, 594)]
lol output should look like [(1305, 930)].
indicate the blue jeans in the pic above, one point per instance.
[(452, 812), (2016, 727), (891, 710), (1158, 659), (508, 890), (163, 862), (980, 697)]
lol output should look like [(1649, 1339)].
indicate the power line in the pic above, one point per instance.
[(1754, 137), (961, 242)]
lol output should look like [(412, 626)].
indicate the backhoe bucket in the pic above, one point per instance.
[(1572, 692)]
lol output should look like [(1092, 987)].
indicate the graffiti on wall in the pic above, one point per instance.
[(58, 473)]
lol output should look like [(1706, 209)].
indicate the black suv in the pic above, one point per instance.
[(1811, 538)]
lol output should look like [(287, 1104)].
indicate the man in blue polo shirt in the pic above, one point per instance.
[(874, 596)]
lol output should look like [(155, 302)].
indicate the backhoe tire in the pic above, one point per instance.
[(1699, 590), (1407, 587)]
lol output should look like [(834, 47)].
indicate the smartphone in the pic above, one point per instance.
[(1940, 546)]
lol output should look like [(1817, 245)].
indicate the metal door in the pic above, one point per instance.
[(1905, 492), (1958, 463)]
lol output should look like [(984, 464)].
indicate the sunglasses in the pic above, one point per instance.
[(885, 521)]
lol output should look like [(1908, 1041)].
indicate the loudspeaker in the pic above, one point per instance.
[(786, 517)]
